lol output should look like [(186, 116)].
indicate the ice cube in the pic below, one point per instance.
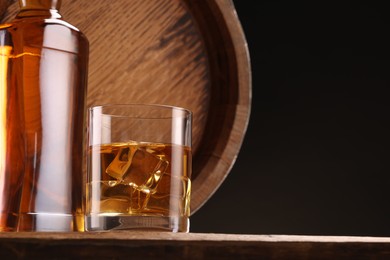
[(156, 149), (121, 163), (169, 196), (145, 171), (161, 198), (137, 170), (139, 200), (160, 204), (114, 189), (121, 197), (174, 185)]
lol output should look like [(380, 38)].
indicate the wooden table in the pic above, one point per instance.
[(161, 245)]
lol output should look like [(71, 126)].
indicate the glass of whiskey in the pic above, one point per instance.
[(138, 168)]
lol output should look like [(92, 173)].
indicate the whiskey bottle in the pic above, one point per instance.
[(43, 73)]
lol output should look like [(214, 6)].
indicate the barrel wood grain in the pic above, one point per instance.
[(3, 6), (153, 245), (188, 53)]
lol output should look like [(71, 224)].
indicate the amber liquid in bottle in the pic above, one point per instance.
[(44, 74)]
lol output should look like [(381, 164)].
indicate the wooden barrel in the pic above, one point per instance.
[(187, 53)]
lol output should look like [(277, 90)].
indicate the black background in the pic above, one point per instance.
[(315, 159)]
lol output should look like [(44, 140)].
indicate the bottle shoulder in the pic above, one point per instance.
[(51, 33), (42, 22)]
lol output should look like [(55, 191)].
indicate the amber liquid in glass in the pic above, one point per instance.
[(44, 69), (138, 185)]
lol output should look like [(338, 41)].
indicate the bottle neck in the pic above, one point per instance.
[(39, 8), (39, 4)]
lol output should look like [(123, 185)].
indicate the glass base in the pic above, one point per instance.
[(44, 222), (102, 222)]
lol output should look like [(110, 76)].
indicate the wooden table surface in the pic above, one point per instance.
[(163, 245)]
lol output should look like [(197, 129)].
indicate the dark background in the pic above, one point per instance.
[(315, 159)]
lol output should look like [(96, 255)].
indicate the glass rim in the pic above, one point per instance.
[(186, 112)]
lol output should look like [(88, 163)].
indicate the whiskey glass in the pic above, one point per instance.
[(138, 168)]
